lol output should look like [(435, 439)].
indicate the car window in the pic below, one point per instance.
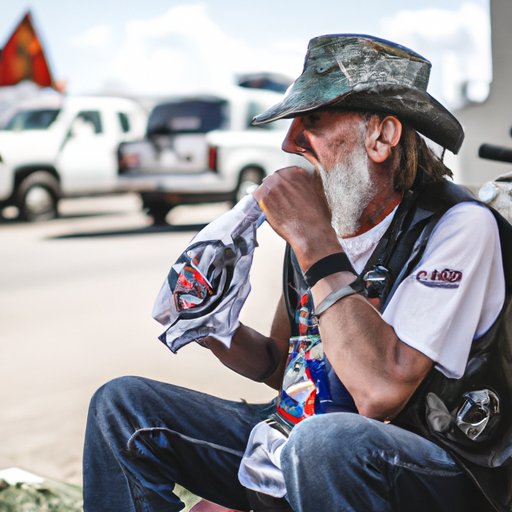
[(187, 116), (124, 121), (38, 119), (93, 118)]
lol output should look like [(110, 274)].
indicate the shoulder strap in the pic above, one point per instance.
[(407, 243), (433, 202)]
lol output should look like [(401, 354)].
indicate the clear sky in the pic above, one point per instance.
[(159, 47)]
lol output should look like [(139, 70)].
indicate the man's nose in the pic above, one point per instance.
[(294, 141)]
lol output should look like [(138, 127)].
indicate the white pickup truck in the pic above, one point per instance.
[(63, 147), (201, 149)]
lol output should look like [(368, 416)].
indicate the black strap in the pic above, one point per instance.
[(408, 255), (337, 262), (382, 253)]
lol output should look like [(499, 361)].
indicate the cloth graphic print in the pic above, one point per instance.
[(305, 389), (209, 283)]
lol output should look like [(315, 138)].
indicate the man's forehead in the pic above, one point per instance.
[(335, 113), (348, 114), (347, 117)]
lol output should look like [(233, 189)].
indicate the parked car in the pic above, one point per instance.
[(201, 149), (63, 147)]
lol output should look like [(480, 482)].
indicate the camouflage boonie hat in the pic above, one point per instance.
[(361, 72)]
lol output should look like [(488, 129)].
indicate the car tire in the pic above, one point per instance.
[(159, 214), (37, 197), (156, 209), (249, 180)]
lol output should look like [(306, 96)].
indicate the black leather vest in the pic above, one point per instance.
[(470, 417)]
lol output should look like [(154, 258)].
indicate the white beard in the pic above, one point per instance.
[(348, 189)]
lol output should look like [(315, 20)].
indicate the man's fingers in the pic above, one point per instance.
[(289, 181)]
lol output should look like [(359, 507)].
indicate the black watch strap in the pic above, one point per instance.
[(337, 262)]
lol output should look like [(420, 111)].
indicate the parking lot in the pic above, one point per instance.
[(75, 306)]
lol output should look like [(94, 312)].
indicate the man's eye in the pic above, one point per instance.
[(311, 120)]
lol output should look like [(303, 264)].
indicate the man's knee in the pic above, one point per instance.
[(322, 436), (111, 397)]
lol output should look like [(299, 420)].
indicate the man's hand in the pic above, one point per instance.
[(294, 203)]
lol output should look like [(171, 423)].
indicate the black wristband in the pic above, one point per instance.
[(337, 262)]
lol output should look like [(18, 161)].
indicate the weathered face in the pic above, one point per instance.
[(322, 136), (335, 144)]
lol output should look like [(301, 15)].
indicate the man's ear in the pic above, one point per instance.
[(382, 135)]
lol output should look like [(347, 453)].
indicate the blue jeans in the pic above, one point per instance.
[(343, 461), (144, 436)]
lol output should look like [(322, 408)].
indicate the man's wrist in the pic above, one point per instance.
[(314, 245), (336, 296), (329, 284), (326, 266)]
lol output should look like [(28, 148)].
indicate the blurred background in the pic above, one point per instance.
[(97, 208)]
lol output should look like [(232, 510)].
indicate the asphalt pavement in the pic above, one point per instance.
[(76, 295)]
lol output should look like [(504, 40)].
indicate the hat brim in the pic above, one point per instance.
[(418, 108)]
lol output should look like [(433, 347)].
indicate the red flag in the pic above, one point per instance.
[(22, 58)]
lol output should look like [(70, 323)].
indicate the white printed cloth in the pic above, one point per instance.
[(209, 283)]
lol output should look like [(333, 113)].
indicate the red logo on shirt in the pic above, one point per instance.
[(446, 278)]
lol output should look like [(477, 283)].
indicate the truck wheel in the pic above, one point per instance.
[(156, 209), (159, 214), (248, 181), (37, 197)]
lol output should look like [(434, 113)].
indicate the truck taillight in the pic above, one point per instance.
[(212, 158), (129, 160)]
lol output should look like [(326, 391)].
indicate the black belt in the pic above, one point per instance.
[(280, 424)]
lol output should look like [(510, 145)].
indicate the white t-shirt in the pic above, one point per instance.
[(456, 291), (453, 296)]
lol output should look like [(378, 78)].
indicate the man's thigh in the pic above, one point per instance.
[(354, 463)]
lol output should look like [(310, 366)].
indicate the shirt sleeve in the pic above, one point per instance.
[(455, 293)]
